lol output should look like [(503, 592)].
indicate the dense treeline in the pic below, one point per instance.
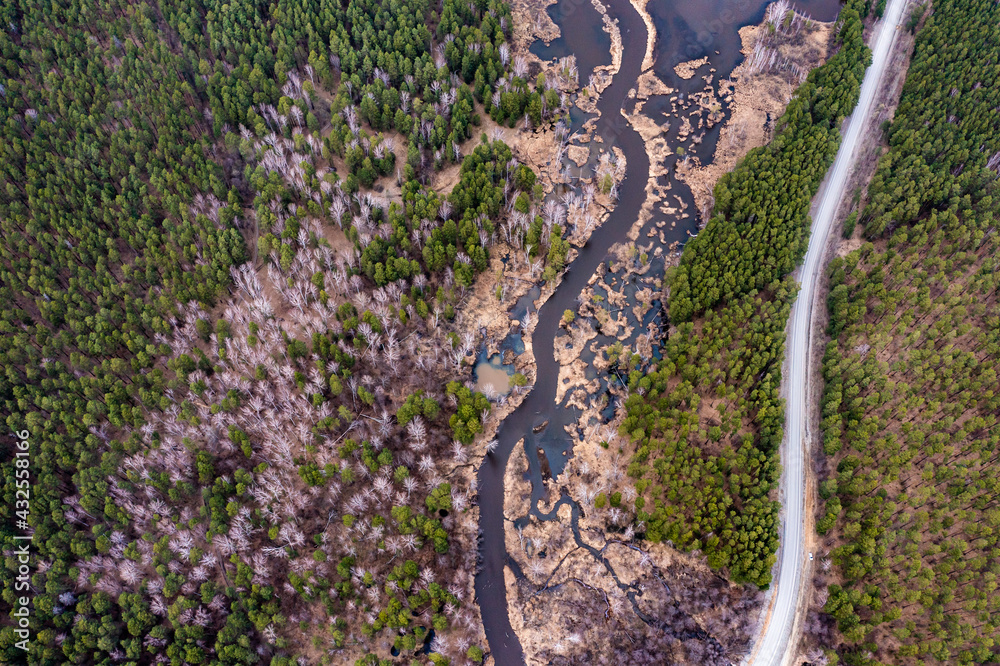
[(911, 412), (706, 444), (707, 421), (147, 150), (107, 168)]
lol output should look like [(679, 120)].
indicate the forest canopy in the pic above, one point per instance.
[(223, 248), (910, 406)]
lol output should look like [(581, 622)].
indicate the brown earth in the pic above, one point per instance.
[(532, 22), (647, 59), (686, 70)]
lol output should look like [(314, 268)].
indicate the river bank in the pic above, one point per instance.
[(778, 54), (490, 580), (559, 555)]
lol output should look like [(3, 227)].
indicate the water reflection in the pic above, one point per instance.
[(582, 35), (492, 376)]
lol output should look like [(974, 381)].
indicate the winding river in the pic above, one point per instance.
[(691, 30), (490, 588)]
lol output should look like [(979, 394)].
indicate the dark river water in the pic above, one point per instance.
[(686, 30), (693, 29)]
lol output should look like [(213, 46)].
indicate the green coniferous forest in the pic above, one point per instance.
[(222, 278), (707, 421), (228, 288), (912, 398)]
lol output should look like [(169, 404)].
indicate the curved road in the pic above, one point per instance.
[(776, 645)]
